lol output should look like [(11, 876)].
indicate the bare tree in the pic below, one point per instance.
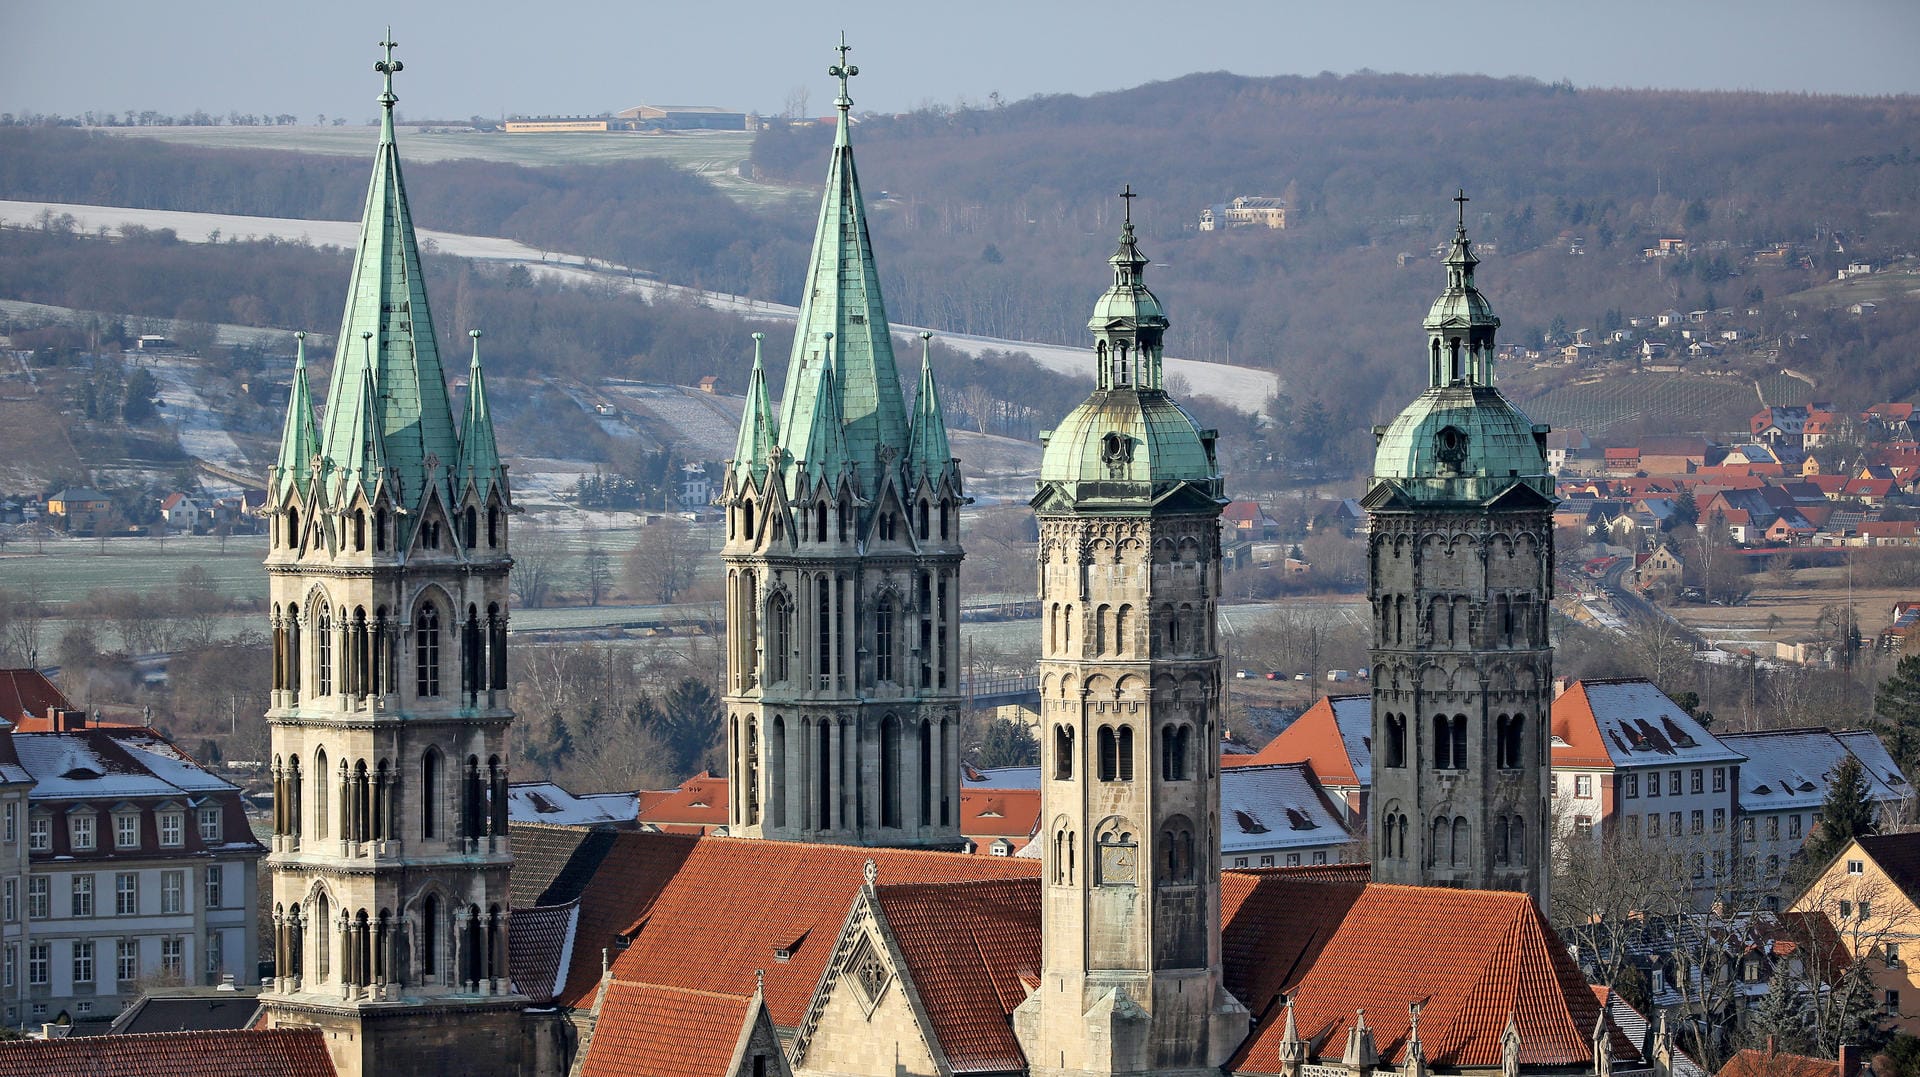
[(664, 560), (596, 569), (536, 564)]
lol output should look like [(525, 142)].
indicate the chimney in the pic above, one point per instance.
[(1849, 1060), (1560, 686), (66, 720)]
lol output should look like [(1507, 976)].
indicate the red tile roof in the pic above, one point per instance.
[(699, 805), (26, 693), (1472, 958), (999, 813), (538, 939), (734, 902), (969, 947), (1751, 1063), (278, 1052), (647, 1030), (627, 879), (1314, 738)]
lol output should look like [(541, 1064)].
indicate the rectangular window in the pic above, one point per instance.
[(13, 822), (1266, 861), (173, 827), (1583, 786), (173, 891), (1699, 781), (1846, 909), (1631, 825), (39, 963), (1320, 857), (1698, 818), (1673, 825), (1773, 828), (1632, 785), (1719, 779), (1653, 824), (10, 900), (1673, 783), (39, 897), (1793, 826), (126, 894), (1773, 865), (126, 832), (213, 886), (1893, 1002), (213, 957), (1719, 863), (80, 830), (39, 834), (12, 959), (83, 962), (1856, 867), (1293, 860), (83, 895), (1719, 820), (171, 951), (1653, 784), (1746, 828), (1866, 910), (126, 960), (1553, 785), (1699, 865), (1583, 825), (1239, 861), (210, 825), (1893, 955)]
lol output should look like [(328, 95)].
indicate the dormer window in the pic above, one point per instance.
[(126, 830), (1450, 446), (81, 831)]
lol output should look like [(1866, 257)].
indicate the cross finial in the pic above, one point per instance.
[(389, 67), (1463, 200), (1129, 196), (843, 71)]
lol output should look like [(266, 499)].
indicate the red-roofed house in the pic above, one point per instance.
[(1334, 737), (276, 1052), (698, 806), (26, 694), (645, 1030)]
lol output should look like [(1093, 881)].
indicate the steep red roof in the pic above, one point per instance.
[(999, 813), (1316, 738), (966, 947), (26, 693), (699, 805), (735, 902), (538, 939), (629, 878), (1472, 958), (278, 1052), (646, 1030)]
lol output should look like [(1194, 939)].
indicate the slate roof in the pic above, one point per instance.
[(110, 761), (1899, 856), (540, 947), (735, 903), (1628, 723), (966, 946), (1276, 806), (1000, 778), (189, 1010), (1335, 735), (546, 802), (647, 1030), (291, 1052), (1789, 769)]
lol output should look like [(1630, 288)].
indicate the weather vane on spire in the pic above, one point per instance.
[(1463, 200), (389, 67), (843, 71)]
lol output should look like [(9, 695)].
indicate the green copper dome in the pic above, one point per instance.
[(1462, 442)]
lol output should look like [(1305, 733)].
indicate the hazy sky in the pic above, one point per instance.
[(484, 56)]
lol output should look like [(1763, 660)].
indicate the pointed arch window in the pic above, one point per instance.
[(883, 634), (779, 637), (431, 769), (1175, 741), (359, 530), (1062, 752), (473, 527), (925, 533), (293, 529), (426, 652), (1396, 740), (323, 651), (321, 777)]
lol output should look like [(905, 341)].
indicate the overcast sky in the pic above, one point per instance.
[(489, 57)]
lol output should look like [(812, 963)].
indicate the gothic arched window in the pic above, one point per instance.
[(430, 770), (426, 652), (1396, 740), (883, 640), (323, 651), (1062, 752), (779, 637)]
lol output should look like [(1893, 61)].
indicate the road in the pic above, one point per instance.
[(1240, 386)]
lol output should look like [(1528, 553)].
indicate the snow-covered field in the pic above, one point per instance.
[(1241, 386)]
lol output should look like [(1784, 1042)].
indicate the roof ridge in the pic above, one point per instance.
[(653, 985)]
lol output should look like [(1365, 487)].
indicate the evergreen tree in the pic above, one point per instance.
[(1781, 1015), (1896, 713), (1685, 511), (1846, 814)]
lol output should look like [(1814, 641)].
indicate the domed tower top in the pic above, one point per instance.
[(1461, 440), (1129, 445)]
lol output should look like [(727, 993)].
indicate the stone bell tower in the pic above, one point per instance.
[(1130, 682), (1460, 573), (843, 569), (387, 572)]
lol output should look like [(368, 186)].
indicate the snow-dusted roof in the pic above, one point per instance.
[(545, 802), (1354, 714), (1275, 806), (110, 761), (1789, 769), (1629, 723), (1000, 778)]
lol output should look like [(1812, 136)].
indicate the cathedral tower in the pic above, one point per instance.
[(388, 571), (843, 569), (1130, 679), (1460, 572)]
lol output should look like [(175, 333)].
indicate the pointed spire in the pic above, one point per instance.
[(928, 454), (1360, 1056), (1413, 1060), (366, 461), (387, 301), (1293, 1049), (298, 442), (759, 430), (479, 455), (1510, 1046), (1128, 322), (1460, 325), (821, 449), (842, 297)]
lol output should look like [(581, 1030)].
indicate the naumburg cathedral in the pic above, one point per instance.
[(838, 931)]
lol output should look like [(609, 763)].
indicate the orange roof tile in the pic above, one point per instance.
[(26, 693), (1751, 1063), (735, 902), (278, 1052), (1472, 958), (967, 947), (646, 1030), (700, 802), (615, 890), (1320, 737), (999, 813)]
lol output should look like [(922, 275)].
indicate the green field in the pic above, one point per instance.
[(715, 155), (64, 570), (1667, 403)]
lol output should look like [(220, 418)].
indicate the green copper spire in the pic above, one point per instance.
[(1460, 325), (759, 431), (820, 450), (928, 454), (298, 442), (842, 298), (365, 463), (387, 297), (1128, 322), (479, 456)]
